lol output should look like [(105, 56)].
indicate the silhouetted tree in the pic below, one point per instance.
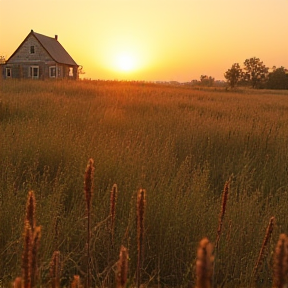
[(233, 75), (278, 79), (256, 71), (2, 59), (207, 80)]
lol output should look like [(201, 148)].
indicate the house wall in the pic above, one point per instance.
[(23, 54), (23, 59)]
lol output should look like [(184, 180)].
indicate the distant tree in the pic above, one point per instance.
[(206, 80), (278, 79), (233, 75), (80, 70), (256, 71), (2, 59)]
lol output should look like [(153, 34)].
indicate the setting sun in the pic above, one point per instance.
[(125, 63)]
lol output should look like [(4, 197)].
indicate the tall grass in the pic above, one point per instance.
[(181, 145)]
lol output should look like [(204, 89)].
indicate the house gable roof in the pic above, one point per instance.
[(53, 48)]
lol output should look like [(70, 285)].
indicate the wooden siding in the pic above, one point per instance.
[(23, 54), (23, 59)]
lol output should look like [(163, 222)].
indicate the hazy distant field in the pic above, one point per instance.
[(180, 144)]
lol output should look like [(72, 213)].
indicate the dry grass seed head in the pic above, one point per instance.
[(122, 268), (76, 283), (266, 239), (34, 255), (26, 256), (280, 263), (55, 270), (141, 204), (30, 210), (17, 283), (223, 210), (88, 182), (204, 264), (113, 199)]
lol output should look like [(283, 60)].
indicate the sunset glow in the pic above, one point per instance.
[(154, 40), (125, 62)]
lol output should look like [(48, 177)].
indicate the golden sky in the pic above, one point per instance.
[(165, 40)]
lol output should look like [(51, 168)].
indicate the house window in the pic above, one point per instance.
[(52, 71), (32, 50), (70, 72), (34, 72), (8, 72)]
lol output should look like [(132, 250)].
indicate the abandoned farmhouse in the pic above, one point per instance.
[(40, 57)]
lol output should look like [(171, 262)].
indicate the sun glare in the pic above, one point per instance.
[(122, 57), (125, 63)]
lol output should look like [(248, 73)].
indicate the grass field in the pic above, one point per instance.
[(179, 144)]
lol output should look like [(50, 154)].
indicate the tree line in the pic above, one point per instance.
[(257, 75)]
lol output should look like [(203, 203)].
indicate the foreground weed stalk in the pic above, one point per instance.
[(88, 190), (280, 263), (30, 210), (26, 256), (76, 283), (204, 264), (113, 200), (141, 204), (262, 252), (122, 268), (32, 235), (222, 213), (55, 270), (17, 283), (34, 255)]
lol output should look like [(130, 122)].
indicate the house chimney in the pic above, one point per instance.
[(56, 37)]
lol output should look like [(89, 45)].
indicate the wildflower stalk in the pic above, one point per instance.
[(30, 210), (26, 256), (55, 270), (262, 253), (222, 213), (88, 190), (76, 283), (113, 199), (280, 263), (34, 255), (141, 204), (17, 283), (204, 264), (122, 268)]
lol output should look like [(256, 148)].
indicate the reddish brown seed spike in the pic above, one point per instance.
[(55, 270), (204, 264), (26, 257), (280, 263), (222, 213), (34, 255), (88, 182), (122, 268), (17, 283), (262, 252), (113, 200), (30, 210), (88, 189), (141, 205), (76, 283)]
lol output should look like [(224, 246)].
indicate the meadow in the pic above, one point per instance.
[(180, 144)]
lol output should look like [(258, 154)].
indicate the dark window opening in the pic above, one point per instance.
[(34, 72), (52, 71), (8, 72), (32, 50)]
